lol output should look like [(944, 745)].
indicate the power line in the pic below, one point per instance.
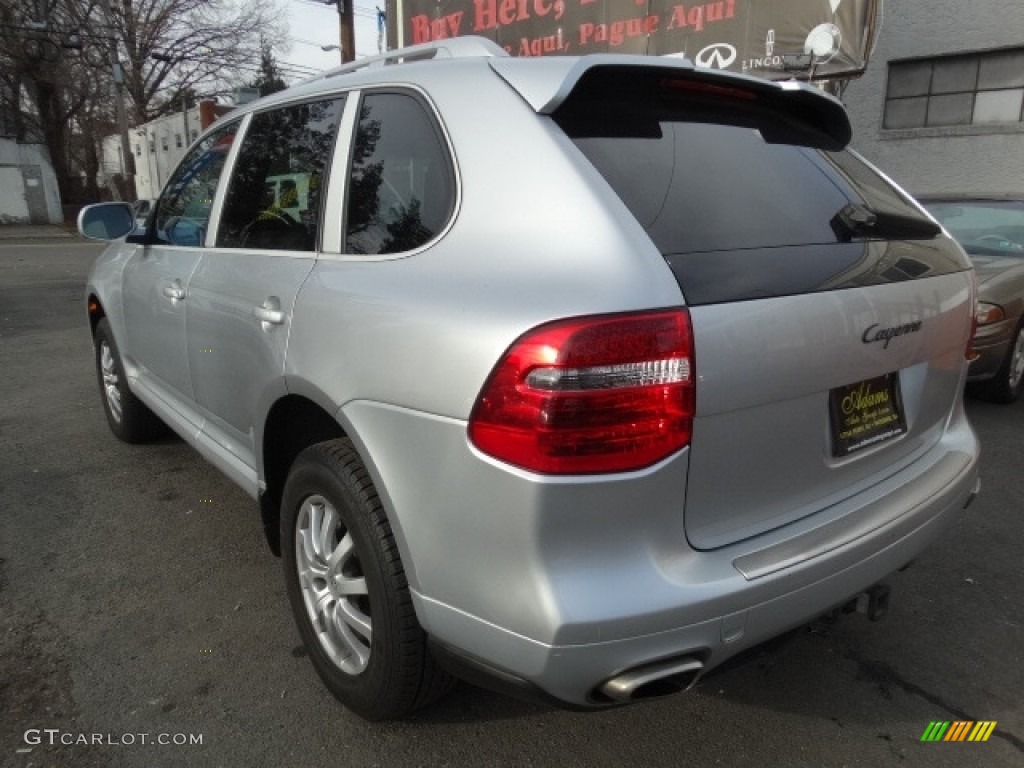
[(307, 42), (366, 13)]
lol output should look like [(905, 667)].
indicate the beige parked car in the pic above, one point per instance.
[(991, 230)]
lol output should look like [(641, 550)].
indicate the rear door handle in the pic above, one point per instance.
[(174, 291), (274, 316), (270, 313)]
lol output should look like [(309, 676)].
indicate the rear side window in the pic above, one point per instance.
[(401, 190), (275, 195)]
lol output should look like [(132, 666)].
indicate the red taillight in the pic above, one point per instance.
[(593, 394)]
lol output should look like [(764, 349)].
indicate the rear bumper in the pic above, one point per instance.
[(571, 673), (556, 587)]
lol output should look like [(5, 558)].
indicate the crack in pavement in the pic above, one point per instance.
[(883, 673)]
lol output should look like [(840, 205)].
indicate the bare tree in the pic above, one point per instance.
[(57, 60), (171, 46), (45, 88)]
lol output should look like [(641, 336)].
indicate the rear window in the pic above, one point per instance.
[(745, 200), (701, 187), (710, 187)]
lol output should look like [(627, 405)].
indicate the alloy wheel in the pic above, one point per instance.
[(111, 381), (1017, 360), (333, 585)]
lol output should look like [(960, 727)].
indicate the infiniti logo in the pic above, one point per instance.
[(888, 334), (716, 55)]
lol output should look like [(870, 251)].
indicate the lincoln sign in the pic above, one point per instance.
[(808, 39)]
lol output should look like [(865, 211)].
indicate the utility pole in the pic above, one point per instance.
[(184, 117), (122, 116), (346, 30)]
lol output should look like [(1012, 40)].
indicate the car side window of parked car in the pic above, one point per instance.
[(183, 212), (274, 198), (401, 192)]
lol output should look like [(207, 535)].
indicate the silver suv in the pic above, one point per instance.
[(572, 376)]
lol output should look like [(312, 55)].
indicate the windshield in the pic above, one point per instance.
[(984, 227)]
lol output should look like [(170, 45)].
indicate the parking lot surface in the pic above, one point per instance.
[(143, 621)]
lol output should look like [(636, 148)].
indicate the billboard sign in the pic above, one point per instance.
[(768, 38)]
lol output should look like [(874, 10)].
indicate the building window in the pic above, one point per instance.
[(970, 89), (177, 140), (138, 150), (193, 134), (152, 146), (163, 143)]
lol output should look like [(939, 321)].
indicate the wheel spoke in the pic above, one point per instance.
[(347, 586), (313, 575), (353, 645), (353, 617), (308, 546), (341, 553), (316, 513), (325, 535), (325, 603)]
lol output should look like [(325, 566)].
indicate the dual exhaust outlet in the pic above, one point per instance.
[(680, 673), (652, 680)]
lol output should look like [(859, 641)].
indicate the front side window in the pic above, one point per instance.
[(401, 190), (275, 195), (183, 212)]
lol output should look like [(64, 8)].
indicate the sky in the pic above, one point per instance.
[(312, 24)]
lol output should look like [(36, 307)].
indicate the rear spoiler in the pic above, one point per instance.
[(547, 84)]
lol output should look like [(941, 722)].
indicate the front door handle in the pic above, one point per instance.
[(270, 313), (174, 291)]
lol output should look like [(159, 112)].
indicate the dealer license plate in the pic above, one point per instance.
[(866, 413)]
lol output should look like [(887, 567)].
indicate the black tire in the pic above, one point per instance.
[(1008, 383), (135, 423), (392, 673)]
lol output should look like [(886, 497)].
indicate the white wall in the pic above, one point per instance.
[(13, 205), (151, 167), (28, 187), (969, 159)]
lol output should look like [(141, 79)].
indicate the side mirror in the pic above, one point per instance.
[(106, 221)]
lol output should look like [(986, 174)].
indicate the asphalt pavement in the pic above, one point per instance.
[(140, 605)]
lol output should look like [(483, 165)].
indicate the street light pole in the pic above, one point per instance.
[(122, 115)]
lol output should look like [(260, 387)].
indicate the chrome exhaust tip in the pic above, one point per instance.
[(661, 678)]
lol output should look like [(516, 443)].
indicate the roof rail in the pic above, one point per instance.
[(452, 48)]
